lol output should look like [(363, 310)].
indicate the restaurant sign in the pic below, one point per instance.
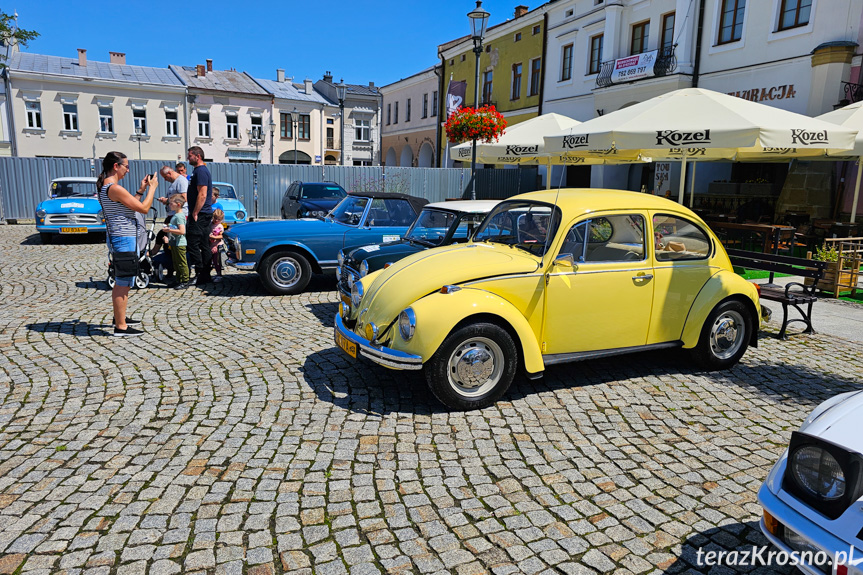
[(766, 94), (634, 67)]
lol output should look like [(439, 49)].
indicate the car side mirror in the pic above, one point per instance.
[(293, 198), (564, 260)]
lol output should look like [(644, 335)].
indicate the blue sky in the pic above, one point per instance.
[(379, 40)]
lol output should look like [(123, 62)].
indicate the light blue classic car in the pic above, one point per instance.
[(285, 253), (72, 208), (235, 211)]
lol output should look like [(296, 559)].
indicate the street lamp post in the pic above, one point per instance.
[(256, 136), (478, 20), (272, 140), (341, 91), (295, 119), (139, 135)]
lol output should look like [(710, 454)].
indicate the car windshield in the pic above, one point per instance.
[(73, 189), (350, 210), (524, 225), (226, 191), (430, 227), (322, 191)]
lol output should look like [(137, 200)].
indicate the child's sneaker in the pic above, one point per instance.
[(217, 279)]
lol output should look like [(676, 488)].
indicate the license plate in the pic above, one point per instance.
[(348, 346), (73, 230), (346, 299)]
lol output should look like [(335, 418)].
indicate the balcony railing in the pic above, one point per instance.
[(666, 63), (331, 143), (853, 91)]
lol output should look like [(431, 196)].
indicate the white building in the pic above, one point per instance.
[(793, 55), (314, 141), (5, 141), (75, 108), (226, 109), (410, 120), (361, 124)]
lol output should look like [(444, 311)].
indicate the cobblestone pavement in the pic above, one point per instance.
[(234, 438)]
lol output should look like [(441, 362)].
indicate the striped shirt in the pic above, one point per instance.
[(120, 220)]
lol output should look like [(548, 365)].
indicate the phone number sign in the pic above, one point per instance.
[(634, 67)]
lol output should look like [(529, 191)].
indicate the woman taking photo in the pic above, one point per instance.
[(121, 209)]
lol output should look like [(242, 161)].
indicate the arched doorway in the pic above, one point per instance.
[(391, 158), (426, 156), (330, 160), (407, 158), (288, 158)]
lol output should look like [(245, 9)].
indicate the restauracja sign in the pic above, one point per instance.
[(762, 94)]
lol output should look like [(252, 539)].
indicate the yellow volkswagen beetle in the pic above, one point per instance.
[(553, 277)]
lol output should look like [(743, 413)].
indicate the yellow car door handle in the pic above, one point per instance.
[(643, 277)]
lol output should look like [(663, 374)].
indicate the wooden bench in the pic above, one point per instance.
[(793, 294)]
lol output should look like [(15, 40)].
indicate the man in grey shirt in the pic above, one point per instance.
[(179, 185)]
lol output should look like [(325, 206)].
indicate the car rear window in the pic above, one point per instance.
[(321, 191)]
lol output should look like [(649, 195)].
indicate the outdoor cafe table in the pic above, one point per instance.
[(773, 235)]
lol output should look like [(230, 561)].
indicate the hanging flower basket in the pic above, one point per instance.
[(484, 124)]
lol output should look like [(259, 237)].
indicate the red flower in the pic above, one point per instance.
[(484, 124)]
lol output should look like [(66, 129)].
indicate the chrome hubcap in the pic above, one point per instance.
[(727, 334), (285, 272), (475, 366)]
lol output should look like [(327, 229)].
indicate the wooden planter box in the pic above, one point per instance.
[(756, 189), (727, 188), (847, 278)]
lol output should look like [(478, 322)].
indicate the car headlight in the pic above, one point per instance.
[(818, 473), (371, 331), (364, 269), (407, 323), (40, 213), (318, 213), (356, 293), (341, 258), (351, 280), (240, 215), (101, 216)]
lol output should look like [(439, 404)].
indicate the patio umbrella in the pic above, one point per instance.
[(699, 124), (849, 117), (523, 144)]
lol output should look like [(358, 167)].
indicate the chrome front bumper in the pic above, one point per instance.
[(248, 266), (385, 356)]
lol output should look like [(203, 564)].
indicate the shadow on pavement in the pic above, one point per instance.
[(249, 284), (365, 387), (739, 537), (72, 327), (324, 312), (71, 239)]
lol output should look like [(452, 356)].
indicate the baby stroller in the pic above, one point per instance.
[(145, 263)]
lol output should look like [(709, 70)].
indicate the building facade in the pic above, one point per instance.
[(360, 129), (511, 68), (410, 120), (313, 139), (75, 108), (604, 56), (5, 136), (229, 115)]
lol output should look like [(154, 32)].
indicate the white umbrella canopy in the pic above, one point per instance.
[(850, 117), (699, 124)]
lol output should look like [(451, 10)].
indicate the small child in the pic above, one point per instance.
[(177, 233), (216, 231)]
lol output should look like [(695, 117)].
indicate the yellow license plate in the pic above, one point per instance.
[(348, 346), (73, 230)]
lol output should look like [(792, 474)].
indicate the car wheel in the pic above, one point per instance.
[(284, 215), (285, 273), (142, 280), (724, 336), (473, 367), (45, 237)]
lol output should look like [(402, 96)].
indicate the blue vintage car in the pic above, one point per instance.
[(285, 253), (439, 224), (72, 208), (235, 211)]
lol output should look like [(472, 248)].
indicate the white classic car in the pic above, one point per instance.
[(813, 496)]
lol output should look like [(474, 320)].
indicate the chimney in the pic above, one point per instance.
[(209, 65), (118, 58), (371, 84), (520, 10), (82, 57), (199, 71), (308, 84), (328, 77), (280, 75)]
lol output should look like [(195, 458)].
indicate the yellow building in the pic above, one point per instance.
[(511, 69)]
